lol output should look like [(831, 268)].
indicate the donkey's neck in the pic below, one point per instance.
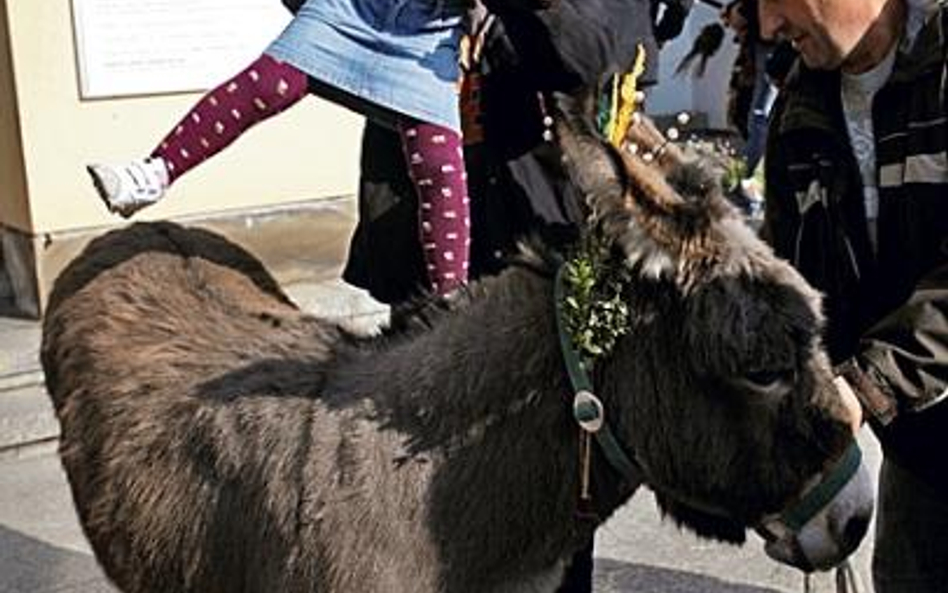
[(494, 357), (486, 397)]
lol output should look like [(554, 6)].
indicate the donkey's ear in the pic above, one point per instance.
[(595, 167), (638, 206)]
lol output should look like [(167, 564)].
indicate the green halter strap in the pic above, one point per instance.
[(590, 415), (587, 409)]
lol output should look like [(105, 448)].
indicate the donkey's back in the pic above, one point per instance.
[(194, 430)]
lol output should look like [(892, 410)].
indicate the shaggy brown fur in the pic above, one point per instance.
[(217, 440)]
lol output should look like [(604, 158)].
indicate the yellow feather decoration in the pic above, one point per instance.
[(624, 101)]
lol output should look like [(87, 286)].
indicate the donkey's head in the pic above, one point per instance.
[(748, 429)]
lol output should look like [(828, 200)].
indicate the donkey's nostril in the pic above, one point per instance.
[(855, 529)]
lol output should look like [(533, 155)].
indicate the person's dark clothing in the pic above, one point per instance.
[(574, 43), (780, 62), (294, 5), (912, 534), (668, 18), (516, 179), (517, 184), (886, 301), (705, 45), (886, 305), (747, 75), (509, 200)]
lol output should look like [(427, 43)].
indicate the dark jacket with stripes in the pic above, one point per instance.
[(888, 309)]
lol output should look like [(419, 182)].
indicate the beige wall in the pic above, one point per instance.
[(308, 152), (14, 208)]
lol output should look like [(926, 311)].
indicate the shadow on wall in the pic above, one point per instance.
[(28, 565)]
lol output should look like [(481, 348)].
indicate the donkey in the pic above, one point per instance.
[(216, 439)]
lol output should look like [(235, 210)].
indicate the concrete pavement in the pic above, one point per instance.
[(42, 549)]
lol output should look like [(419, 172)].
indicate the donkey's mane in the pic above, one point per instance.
[(423, 312)]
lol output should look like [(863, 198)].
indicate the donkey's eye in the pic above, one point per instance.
[(768, 379), (770, 384)]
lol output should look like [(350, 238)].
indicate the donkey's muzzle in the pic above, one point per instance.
[(828, 523)]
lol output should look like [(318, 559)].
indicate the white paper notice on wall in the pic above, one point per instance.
[(145, 47)]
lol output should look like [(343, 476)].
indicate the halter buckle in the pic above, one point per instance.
[(588, 411)]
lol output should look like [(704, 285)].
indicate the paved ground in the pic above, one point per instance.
[(42, 549)]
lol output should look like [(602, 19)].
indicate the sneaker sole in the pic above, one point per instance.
[(102, 191)]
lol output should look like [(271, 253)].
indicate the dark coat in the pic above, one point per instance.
[(887, 307), (515, 179)]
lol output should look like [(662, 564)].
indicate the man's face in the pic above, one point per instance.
[(825, 32)]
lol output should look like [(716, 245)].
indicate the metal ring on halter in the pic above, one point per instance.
[(588, 411)]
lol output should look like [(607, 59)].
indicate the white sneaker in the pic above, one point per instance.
[(128, 188)]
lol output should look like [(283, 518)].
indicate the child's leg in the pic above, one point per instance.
[(263, 89), (436, 165)]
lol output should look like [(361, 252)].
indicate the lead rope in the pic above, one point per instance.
[(847, 580), (585, 462)]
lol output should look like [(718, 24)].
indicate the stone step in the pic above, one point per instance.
[(19, 350), (26, 415), (21, 379), (26, 419)]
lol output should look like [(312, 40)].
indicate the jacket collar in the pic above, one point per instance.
[(928, 50), (812, 100), (809, 92)]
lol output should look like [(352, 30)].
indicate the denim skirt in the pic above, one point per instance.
[(397, 55)]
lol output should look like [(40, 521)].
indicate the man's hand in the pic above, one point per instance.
[(849, 402), (916, 440)]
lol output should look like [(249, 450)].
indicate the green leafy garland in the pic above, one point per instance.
[(595, 313)]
